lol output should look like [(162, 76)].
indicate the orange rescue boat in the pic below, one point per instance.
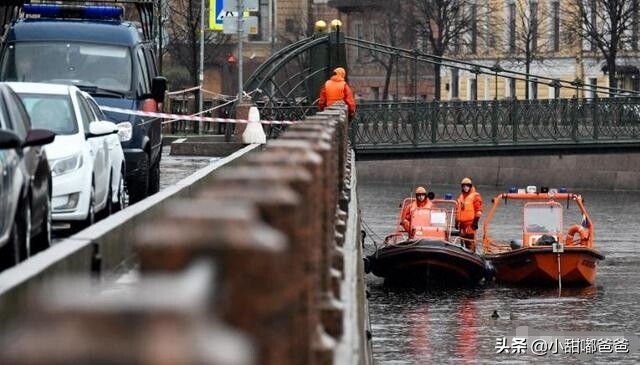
[(432, 255), (547, 254)]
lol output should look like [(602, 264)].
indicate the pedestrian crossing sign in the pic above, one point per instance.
[(216, 14)]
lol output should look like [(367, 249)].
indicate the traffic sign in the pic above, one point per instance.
[(230, 24), (251, 5), (215, 10)]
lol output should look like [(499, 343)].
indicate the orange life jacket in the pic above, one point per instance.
[(420, 217), (466, 211)]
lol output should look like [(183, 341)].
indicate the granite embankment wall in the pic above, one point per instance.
[(601, 171)]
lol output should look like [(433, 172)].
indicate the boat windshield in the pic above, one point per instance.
[(543, 218), (107, 67)]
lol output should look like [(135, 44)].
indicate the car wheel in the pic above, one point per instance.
[(91, 212), (139, 185), (121, 204), (23, 218), (43, 240), (154, 179), (110, 207)]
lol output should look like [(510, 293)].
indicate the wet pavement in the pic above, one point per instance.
[(172, 170), (452, 326), (176, 168)]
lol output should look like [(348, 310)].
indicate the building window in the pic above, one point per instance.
[(474, 28), (512, 88), (455, 80), (375, 93), (533, 24), (555, 29), (592, 9), (593, 83), (634, 26), (489, 36), (264, 18), (511, 19), (359, 35), (473, 89), (533, 89)]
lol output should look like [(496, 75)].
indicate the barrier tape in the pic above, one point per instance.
[(188, 117)]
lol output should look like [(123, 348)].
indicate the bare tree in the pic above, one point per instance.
[(447, 25), (184, 37), (523, 42), (395, 31), (604, 24)]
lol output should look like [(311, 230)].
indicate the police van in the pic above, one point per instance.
[(89, 45)]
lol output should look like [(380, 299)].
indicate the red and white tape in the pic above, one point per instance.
[(188, 117)]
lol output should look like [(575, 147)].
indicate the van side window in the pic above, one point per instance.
[(143, 74), (153, 70)]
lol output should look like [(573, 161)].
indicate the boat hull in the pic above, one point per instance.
[(539, 266), (432, 262)]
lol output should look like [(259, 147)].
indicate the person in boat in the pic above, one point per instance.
[(468, 212), (417, 214)]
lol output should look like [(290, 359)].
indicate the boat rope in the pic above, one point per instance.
[(373, 236)]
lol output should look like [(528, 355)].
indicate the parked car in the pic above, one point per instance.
[(25, 183), (118, 196), (79, 157), (94, 48)]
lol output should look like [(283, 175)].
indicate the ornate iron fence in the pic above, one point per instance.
[(380, 125)]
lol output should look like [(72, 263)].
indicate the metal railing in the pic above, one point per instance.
[(383, 125)]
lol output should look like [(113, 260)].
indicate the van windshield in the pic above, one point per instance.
[(95, 65)]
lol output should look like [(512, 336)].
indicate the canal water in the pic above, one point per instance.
[(442, 326)]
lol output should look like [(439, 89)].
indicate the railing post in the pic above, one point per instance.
[(594, 113), (435, 121), (494, 121), (573, 118), (514, 120)]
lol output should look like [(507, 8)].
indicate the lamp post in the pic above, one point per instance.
[(201, 70), (240, 33)]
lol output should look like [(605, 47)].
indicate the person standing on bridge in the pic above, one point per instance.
[(468, 213), (417, 214), (337, 89)]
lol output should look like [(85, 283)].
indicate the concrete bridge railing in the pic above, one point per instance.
[(260, 263)]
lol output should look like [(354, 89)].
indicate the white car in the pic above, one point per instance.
[(79, 158), (118, 195)]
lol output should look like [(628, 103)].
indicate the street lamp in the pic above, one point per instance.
[(201, 70)]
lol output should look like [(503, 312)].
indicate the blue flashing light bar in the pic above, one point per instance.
[(74, 11), (448, 196), (563, 190), (513, 189)]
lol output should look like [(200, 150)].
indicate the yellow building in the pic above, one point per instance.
[(504, 28)]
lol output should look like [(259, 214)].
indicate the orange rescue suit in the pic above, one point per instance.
[(469, 206), (336, 89), (416, 216)]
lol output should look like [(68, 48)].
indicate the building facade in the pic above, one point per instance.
[(543, 35)]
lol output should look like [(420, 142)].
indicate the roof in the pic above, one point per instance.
[(94, 31), (40, 88)]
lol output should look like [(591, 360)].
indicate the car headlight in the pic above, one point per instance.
[(125, 132), (66, 165)]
